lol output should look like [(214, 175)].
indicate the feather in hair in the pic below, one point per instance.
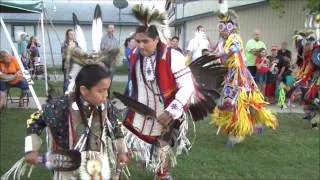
[(148, 17), (223, 6), (109, 57)]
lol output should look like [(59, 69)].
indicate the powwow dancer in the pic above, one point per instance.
[(81, 122), (163, 90), (242, 105), (308, 76)]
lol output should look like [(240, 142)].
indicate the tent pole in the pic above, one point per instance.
[(25, 73), (44, 54), (49, 40), (47, 17)]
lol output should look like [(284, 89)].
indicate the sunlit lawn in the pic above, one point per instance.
[(290, 152), (40, 88)]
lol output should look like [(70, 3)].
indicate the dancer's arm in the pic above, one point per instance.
[(52, 113), (35, 125), (118, 134), (185, 87)]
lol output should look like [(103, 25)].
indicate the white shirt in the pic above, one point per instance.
[(150, 97), (197, 44)]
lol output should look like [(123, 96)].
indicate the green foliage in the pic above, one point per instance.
[(277, 6), (290, 152), (313, 5)]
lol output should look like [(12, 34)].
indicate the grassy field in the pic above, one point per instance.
[(290, 152), (119, 70), (40, 89)]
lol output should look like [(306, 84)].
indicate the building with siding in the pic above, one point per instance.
[(185, 16), (60, 13)]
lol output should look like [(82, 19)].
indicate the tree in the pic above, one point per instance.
[(312, 6)]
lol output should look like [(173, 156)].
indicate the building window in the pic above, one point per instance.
[(172, 11), (17, 29), (178, 31)]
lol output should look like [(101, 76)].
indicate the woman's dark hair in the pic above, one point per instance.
[(30, 41), (34, 51), (66, 36), (126, 42), (262, 49), (151, 31), (88, 76), (175, 37)]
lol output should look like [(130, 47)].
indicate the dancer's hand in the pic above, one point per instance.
[(164, 118), (32, 157)]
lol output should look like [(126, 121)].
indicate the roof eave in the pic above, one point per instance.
[(57, 22), (208, 14)]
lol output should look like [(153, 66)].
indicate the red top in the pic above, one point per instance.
[(264, 67), (165, 80)]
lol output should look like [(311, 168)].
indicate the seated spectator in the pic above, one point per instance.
[(11, 76)]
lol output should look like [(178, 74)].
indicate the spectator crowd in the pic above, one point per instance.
[(270, 67)]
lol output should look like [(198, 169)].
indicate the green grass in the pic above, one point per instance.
[(290, 152), (54, 69), (39, 88), (119, 70), (117, 86)]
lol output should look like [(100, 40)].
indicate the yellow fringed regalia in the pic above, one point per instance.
[(242, 105)]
